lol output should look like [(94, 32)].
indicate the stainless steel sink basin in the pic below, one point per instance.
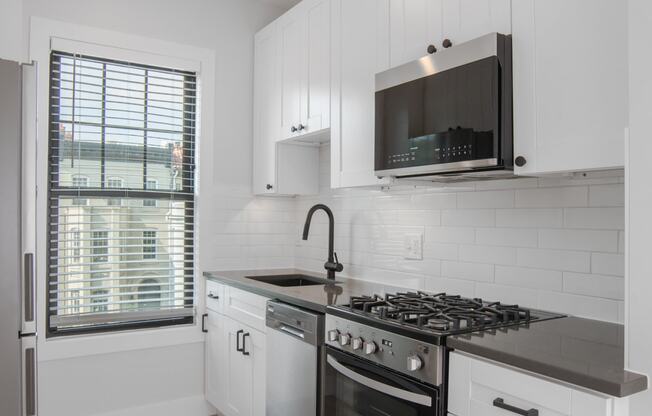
[(289, 280)]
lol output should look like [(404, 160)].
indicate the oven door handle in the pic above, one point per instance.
[(378, 386)]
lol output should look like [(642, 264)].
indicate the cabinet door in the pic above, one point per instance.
[(215, 359), (570, 84), (414, 24), (291, 27), (266, 110), (464, 20), (317, 86), (360, 50)]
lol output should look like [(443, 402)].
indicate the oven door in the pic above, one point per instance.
[(354, 387)]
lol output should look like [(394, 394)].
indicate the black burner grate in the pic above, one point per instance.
[(439, 312)]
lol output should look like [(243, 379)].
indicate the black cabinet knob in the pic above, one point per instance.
[(431, 49), (269, 186), (293, 129), (447, 43), (301, 127), (520, 161)]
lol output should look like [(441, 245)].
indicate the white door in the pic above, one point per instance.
[(267, 96), (570, 84), (317, 87), (464, 20), (360, 50), (291, 27), (414, 25)]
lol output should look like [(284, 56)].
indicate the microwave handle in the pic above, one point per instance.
[(378, 386)]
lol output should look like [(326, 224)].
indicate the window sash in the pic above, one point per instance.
[(98, 305)]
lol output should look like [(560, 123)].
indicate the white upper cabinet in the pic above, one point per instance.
[(278, 169), (304, 53), (417, 24), (360, 49), (570, 84)]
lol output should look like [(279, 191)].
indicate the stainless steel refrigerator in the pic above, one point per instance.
[(17, 284)]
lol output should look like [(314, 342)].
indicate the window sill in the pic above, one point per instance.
[(74, 346)]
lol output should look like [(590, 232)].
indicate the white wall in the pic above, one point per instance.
[(555, 244), (166, 379), (639, 201)]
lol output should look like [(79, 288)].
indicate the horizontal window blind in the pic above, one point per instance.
[(121, 194)]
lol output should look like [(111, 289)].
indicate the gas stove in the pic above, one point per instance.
[(406, 332)]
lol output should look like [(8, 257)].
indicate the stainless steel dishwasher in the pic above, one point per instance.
[(294, 354)]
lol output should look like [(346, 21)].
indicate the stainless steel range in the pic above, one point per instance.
[(387, 355)]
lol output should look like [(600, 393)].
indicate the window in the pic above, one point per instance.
[(149, 245), (76, 244), (100, 244), (122, 145)]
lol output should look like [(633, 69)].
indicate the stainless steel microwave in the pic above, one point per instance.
[(448, 115)]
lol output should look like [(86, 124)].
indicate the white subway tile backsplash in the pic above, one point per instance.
[(530, 217), (607, 195), (604, 263), (514, 237), (551, 243), (486, 199), (571, 196), (596, 285), (595, 218), (575, 261), (487, 254), (589, 240), (469, 217), (531, 278), (468, 271)]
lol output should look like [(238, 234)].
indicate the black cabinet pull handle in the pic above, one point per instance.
[(237, 341), (431, 49), (203, 322), (243, 343), (212, 296), (520, 161), (269, 186), (500, 403), (301, 127), (447, 43), (293, 129)]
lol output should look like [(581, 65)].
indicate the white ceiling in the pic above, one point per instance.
[(281, 3)]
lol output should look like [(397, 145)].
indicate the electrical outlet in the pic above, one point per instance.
[(413, 246)]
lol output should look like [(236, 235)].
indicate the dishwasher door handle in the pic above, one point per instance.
[(292, 331)]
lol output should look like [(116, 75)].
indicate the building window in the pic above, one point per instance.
[(100, 246), (130, 129), (76, 244), (149, 245)]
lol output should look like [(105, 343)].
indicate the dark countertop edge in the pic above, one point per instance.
[(557, 373), (302, 303)]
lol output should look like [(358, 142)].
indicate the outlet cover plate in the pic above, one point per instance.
[(413, 246)]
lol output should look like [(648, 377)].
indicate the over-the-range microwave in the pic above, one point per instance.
[(448, 115)]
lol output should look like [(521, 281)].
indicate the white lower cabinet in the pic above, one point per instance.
[(235, 365), (474, 385)]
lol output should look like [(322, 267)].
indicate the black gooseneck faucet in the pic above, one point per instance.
[(332, 265)]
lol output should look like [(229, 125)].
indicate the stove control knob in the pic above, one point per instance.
[(413, 362), (369, 347), (345, 339), (333, 334), (356, 343)]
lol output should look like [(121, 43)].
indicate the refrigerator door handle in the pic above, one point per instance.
[(30, 381), (28, 286)]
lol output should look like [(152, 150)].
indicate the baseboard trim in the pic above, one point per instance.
[(186, 406)]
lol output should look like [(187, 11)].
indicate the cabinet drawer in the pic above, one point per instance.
[(245, 307), (214, 296), (475, 384)]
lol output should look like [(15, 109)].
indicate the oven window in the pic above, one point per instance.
[(355, 387)]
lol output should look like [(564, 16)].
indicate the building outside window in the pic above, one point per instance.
[(100, 246), (76, 245), (149, 245)]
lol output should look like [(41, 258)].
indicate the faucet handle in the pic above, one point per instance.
[(338, 266)]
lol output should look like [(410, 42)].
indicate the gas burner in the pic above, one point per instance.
[(439, 312)]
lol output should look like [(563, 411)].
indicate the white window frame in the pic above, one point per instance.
[(46, 35)]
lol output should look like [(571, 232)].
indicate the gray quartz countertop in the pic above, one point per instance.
[(315, 297), (583, 352)]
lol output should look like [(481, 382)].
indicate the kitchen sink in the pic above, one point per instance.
[(288, 280)]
